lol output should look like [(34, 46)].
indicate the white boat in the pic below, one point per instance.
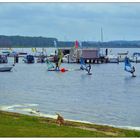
[(68, 59), (65, 59), (112, 58), (4, 68), (135, 58), (122, 56)]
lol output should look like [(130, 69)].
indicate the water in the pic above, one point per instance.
[(108, 96)]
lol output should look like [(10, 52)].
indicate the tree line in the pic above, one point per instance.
[(26, 41)]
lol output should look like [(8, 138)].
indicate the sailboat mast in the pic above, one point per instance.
[(101, 34)]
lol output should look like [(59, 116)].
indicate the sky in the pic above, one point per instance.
[(72, 21)]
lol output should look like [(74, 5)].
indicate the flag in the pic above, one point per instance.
[(76, 44)]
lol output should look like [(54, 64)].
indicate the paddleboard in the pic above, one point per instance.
[(65, 70), (57, 70)]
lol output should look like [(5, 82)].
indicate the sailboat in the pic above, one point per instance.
[(58, 57), (128, 67), (84, 66)]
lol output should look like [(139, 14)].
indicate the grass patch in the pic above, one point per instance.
[(18, 125)]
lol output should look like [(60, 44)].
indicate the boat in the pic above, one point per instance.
[(122, 55), (128, 67), (135, 57), (3, 59), (5, 68), (112, 58), (41, 59), (29, 59), (22, 53), (7, 53), (65, 59)]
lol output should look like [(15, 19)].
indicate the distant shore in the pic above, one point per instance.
[(19, 125)]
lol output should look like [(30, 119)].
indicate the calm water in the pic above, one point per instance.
[(108, 96)]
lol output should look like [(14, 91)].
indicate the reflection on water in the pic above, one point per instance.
[(109, 96)]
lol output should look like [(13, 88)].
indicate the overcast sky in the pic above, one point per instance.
[(71, 21)]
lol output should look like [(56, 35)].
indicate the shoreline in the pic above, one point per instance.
[(31, 110), (21, 125), (82, 121), (40, 114)]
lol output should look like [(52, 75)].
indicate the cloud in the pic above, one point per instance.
[(71, 20)]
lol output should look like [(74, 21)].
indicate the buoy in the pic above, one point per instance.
[(63, 70)]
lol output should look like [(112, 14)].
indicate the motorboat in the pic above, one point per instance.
[(29, 59), (3, 59), (5, 68), (68, 59), (22, 54), (112, 58), (135, 57), (65, 59), (41, 59), (121, 56)]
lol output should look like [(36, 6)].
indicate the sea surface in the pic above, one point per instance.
[(108, 96)]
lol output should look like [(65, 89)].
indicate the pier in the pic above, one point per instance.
[(90, 55)]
